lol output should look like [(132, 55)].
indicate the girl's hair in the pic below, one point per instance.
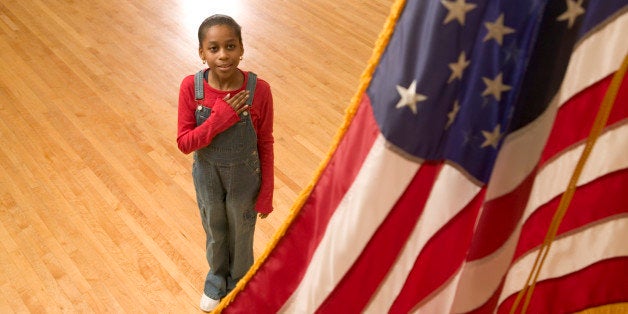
[(218, 19)]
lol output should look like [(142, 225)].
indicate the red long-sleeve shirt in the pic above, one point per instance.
[(191, 138)]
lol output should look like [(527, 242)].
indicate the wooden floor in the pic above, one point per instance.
[(97, 207)]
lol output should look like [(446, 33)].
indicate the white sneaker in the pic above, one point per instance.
[(208, 304)]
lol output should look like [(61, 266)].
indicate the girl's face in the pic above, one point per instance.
[(222, 50)]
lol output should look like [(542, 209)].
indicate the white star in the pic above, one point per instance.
[(512, 52), (452, 115), (466, 137), (409, 97), (495, 87), (492, 138), (458, 68), (497, 30), (573, 10), (457, 10)]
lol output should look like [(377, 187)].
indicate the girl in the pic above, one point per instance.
[(232, 143)]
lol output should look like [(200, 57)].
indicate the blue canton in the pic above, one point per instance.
[(446, 87)]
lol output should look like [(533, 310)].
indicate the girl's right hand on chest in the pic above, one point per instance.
[(238, 101)]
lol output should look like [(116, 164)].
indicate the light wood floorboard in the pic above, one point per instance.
[(97, 206)]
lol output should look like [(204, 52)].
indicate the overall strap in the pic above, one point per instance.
[(198, 85), (250, 86)]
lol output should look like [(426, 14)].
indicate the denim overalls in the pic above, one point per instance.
[(227, 180)]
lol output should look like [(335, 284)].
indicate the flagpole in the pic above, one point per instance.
[(598, 126)]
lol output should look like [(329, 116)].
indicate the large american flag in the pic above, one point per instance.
[(472, 121)]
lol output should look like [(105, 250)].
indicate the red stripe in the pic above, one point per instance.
[(597, 200), (575, 118), (441, 257), (362, 280), (288, 261), (499, 219), (605, 282)]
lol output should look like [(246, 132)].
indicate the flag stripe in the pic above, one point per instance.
[(296, 247), (604, 194), (583, 108), (365, 276), (519, 155), (381, 181), (604, 159), (442, 299), (496, 225), (434, 266), (572, 252), (439, 210), (481, 278), (604, 282), (596, 56)]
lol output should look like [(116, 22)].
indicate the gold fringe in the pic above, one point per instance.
[(617, 308), (596, 130), (365, 80)]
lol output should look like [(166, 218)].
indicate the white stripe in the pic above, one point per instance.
[(480, 278), (452, 191), (377, 187), (520, 153), (608, 155), (596, 57), (572, 253), (441, 301)]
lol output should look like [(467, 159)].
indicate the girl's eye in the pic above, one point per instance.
[(231, 46)]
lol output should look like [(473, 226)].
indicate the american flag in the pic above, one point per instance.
[(444, 187)]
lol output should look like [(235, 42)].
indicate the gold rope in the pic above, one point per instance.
[(596, 130), (365, 80), (617, 308)]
